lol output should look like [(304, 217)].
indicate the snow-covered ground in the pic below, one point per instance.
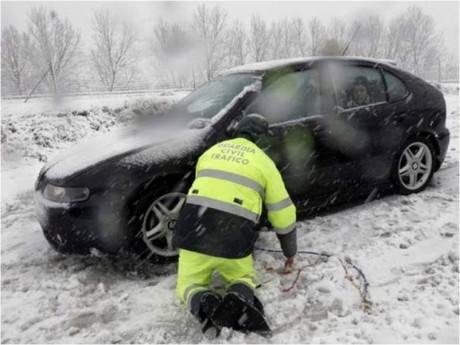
[(407, 246)]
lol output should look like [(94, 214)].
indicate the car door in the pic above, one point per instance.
[(295, 103), (368, 126)]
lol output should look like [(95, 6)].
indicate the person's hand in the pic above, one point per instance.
[(288, 265)]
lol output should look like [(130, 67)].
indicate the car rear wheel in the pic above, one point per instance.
[(414, 166)]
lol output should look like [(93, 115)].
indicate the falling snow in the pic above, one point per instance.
[(407, 246)]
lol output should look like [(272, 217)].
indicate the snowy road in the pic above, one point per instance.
[(407, 246)]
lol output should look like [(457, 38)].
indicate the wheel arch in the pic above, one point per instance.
[(431, 136), (143, 194)]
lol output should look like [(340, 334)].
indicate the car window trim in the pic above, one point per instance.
[(385, 86), (362, 107), (295, 121), (408, 92)]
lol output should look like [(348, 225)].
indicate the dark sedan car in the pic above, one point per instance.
[(340, 127)]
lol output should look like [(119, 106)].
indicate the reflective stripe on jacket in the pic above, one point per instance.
[(236, 176)]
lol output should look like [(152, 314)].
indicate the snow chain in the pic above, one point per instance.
[(363, 289)]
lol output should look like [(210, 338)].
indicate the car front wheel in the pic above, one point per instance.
[(414, 166), (158, 224)]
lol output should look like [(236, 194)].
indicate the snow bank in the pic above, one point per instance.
[(39, 129), (447, 88)]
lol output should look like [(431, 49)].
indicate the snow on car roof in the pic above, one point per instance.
[(272, 64)]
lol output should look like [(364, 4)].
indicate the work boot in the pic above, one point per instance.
[(258, 305), (208, 304), (237, 313), (210, 330)]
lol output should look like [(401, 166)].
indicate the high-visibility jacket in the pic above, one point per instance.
[(235, 176)]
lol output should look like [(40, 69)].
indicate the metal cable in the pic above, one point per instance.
[(326, 255)]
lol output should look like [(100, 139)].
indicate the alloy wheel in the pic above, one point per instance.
[(415, 166), (159, 222)]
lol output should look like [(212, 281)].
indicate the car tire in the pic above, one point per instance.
[(413, 166), (142, 214)]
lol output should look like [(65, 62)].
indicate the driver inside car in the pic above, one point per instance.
[(360, 93)]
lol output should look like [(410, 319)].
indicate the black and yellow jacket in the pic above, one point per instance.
[(234, 178)]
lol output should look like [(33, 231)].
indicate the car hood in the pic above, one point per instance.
[(121, 144)]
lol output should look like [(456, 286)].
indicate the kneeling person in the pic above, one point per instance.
[(216, 228)]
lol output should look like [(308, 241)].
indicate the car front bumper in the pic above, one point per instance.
[(78, 227)]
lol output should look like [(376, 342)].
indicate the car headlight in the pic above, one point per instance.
[(65, 194)]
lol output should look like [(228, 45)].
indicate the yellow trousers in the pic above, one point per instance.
[(195, 272)]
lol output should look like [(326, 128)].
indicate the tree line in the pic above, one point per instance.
[(50, 57)]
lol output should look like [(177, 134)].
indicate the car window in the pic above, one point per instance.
[(213, 96), (292, 96), (396, 88), (357, 86)]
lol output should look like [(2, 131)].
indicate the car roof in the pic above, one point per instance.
[(275, 64)]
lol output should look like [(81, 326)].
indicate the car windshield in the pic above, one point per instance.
[(213, 96), (196, 110)]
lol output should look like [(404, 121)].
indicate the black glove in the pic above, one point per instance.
[(288, 243)]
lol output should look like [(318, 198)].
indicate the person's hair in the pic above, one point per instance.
[(361, 81)]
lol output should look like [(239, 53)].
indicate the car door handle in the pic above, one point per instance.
[(400, 117)]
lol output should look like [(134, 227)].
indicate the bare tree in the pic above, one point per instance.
[(316, 36), (237, 44), (418, 42), (448, 66), (171, 39), (209, 26), (258, 38), (368, 38), (113, 50), (331, 47), (56, 42), (175, 54), (299, 36), (287, 41), (337, 31), (275, 45), (15, 56), (393, 40)]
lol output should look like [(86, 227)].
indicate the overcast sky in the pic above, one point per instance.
[(144, 14)]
